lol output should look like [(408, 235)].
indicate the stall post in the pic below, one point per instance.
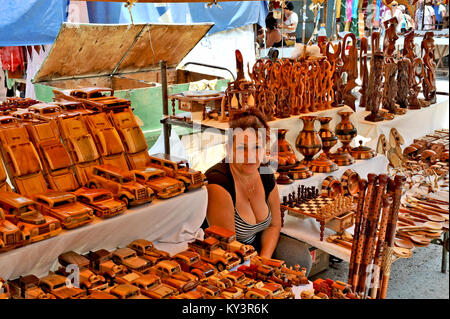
[(165, 103)]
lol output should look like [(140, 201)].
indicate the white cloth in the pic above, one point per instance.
[(428, 20), (172, 222), (34, 63), (308, 230)]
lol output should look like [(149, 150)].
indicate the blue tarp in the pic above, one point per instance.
[(31, 22), (229, 15)]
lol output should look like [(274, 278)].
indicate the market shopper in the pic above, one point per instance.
[(290, 19), (428, 22), (243, 195), (273, 34)]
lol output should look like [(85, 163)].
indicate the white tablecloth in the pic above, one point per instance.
[(413, 124), (308, 230), (167, 223)]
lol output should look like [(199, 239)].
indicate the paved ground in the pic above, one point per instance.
[(419, 277)]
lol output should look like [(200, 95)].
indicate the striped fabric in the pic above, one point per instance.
[(245, 232)]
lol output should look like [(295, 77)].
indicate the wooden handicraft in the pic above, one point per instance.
[(10, 235), (331, 187), (415, 76), (323, 164), (364, 71), (393, 150), (403, 82), (308, 142), (362, 152), (4, 186), (197, 101), (350, 183), (390, 87), (345, 131), (429, 68), (286, 158), (308, 203), (350, 67), (375, 85), (337, 65)]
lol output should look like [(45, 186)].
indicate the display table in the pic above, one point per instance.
[(171, 222), (413, 124)]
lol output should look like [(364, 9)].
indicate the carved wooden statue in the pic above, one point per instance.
[(364, 71), (390, 87), (408, 46), (429, 66), (335, 60), (414, 85), (403, 82), (351, 68), (390, 37)]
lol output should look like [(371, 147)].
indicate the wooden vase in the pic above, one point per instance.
[(345, 132), (308, 142), (323, 164)]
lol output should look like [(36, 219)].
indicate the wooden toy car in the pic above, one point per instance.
[(4, 289), (45, 111), (232, 293), (10, 235), (190, 262), (7, 120), (24, 116), (256, 293), (22, 212), (64, 207), (4, 186), (101, 201), (128, 258), (72, 108), (276, 290), (127, 292), (257, 272), (122, 183), (208, 291), (127, 278), (156, 179), (98, 294), (151, 286), (178, 168), (147, 250), (100, 99), (20, 102), (283, 275), (210, 252), (219, 280), (192, 294), (239, 280), (229, 243), (56, 285), (27, 287), (172, 275), (101, 263), (87, 279)]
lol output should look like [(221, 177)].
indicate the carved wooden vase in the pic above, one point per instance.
[(345, 132), (308, 142), (323, 164), (286, 158)]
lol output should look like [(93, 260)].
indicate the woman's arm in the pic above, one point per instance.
[(269, 236), (220, 207)]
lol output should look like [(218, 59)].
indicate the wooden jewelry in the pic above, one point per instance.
[(345, 132)]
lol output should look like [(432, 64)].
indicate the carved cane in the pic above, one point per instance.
[(372, 231), (356, 233), (390, 234), (387, 202), (372, 178)]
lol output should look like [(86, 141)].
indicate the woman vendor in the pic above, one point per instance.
[(243, 195)]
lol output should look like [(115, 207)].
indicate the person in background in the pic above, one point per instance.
[(428, 22), (439, 12), (387, 15), (273, 34), (290, 19), (407, 22)]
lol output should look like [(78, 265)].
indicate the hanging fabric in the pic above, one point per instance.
[(338, 9)]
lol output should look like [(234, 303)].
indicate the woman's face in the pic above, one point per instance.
[(247, 151)]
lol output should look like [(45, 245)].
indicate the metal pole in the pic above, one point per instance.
[(304, 23), (165, 103), (444, 253)]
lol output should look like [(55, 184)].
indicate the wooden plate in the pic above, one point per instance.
[(420, 240), (404, 243), (402, 252)]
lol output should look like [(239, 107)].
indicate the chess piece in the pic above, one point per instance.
[(308, 142), (345, 132)]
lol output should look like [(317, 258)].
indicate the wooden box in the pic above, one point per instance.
[(341, 223)]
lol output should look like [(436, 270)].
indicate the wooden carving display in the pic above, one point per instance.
[(429, 65), (408, 46), (334, 58), (390, 87), (403, 82), (364, 71), (415, 75), (350, 67)]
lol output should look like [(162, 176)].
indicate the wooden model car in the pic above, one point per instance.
[(122, 183), (72, 108), (127, 278), (7, 120), (210, 252), (190, 262), (45, 111), (232, 293), (10, 235), (257, 293), (101, 263), (87, 279), (208, 291), (239, 280), (147, 250), (98, 294), (27, 287), (128, 258), (257, 272), (219, 280), (156, 179), (178, 168), (192, 294), (228, 242), (101, 201), (4, 290), (64, 207), (151, 286), (100, 99), (56, 285), (127, 292), (4, 186), (22, 212), (286, 276), (171, 274), (23, 115), (276, 290)]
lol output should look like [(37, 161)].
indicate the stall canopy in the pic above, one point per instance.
[(31, 22), (34, 22), (226, 15)]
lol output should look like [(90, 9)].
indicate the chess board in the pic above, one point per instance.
[(315, 204)]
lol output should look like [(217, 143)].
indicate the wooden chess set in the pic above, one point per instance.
[(307, 202)]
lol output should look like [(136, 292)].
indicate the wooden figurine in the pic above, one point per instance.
[(403, 82), (415, 75), (390, 37), (23, 212), (393, 150), (364, 71), (408, 46), (345, 131), (350, 67), (429, 65), (390, 87), (122, 183), (335, 60)]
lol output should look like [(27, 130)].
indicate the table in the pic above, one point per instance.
[(167, 223), (413, 124)]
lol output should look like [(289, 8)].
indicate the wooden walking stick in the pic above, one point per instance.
[(390, 234), (373, 218), (356, 232), (372, 178), (387, 202)]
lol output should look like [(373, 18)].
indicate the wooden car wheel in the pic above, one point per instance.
[(124, 199), (92, 186), (220, 266)]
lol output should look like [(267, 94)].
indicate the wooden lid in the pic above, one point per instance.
[(86, 50)]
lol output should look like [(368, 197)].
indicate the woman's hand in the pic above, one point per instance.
[(269, 236)]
